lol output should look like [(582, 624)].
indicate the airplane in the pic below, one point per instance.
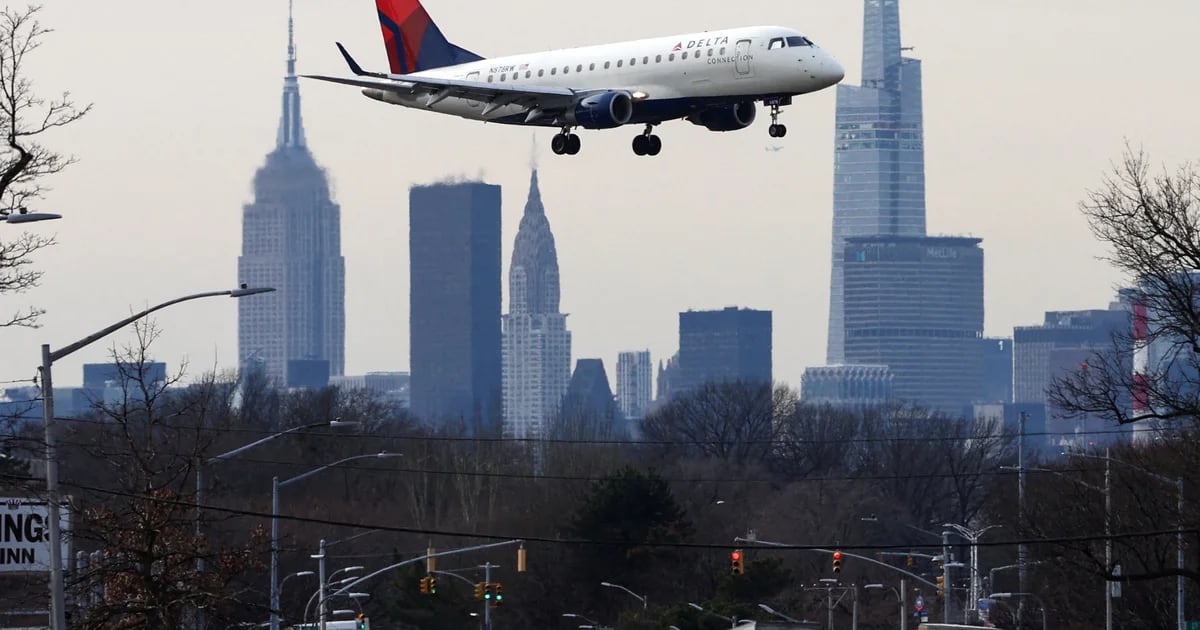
[(712, 79)]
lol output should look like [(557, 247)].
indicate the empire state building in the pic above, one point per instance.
[(291, 240)]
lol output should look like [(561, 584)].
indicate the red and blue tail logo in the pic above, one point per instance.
[(414, 43)]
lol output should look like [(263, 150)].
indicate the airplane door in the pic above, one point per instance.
[(473, 76), (743, 59)]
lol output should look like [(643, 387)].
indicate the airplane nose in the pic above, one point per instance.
[(834, 72)]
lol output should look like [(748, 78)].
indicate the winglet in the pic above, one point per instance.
[(354, 67)]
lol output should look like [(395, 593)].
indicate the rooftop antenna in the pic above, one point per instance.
[(291, 60), (533, 153)]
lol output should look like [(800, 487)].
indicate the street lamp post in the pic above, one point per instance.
[(276, 485), (640, 597), (58, 616), (972, 536), (772, 611), (900, 596), (578, 616)]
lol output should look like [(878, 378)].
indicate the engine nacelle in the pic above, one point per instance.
[(603, 110), (728, 118)]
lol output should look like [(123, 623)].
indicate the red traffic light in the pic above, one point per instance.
[(837, 555), (735, 556)]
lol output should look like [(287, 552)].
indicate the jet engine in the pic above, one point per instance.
[(727, 118), (603, 110)]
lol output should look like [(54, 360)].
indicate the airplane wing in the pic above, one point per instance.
[(540, 100)]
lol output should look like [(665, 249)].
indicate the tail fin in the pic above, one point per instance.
[(414, 43)]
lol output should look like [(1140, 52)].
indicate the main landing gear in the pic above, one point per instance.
[(565, 143), (647, 143), (776, 130)]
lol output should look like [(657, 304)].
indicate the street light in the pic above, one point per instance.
[(201, 464), (577, 616), (25, 216), (972, 536), (1035, 598), (276, 484), (641, 597), (772, 611), (899, 598), (58, 618), (732, 620)]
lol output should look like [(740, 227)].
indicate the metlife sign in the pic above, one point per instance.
[(25, 536)]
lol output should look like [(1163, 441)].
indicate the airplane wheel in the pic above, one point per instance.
[(653, 145), (782, 131), (773, 131), (559, 144), (640, 145), (573, 144)]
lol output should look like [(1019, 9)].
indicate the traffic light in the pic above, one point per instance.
[(480, 587), (908, 561), (737, 562), (498, 598), (487, 592), (360, 622), (837, 562), (521, 559), (432, 584), (425, 586), (941, 586)]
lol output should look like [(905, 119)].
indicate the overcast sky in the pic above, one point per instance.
[(1026, 104)]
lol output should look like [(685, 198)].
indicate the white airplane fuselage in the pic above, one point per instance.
[(669, 77)]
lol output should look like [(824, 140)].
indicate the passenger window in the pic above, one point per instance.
[(554, 70), (566, 69), (516, 75), (579, 68), (710, 52), (722, 51), (658, 59), (645, 60), (489, 78), (591, 67), (776, 43), (685, 55), (671, 57), (502, 76), (633, 62), (528, 73), (620, 62)]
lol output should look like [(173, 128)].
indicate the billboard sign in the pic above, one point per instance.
[(25, 535)]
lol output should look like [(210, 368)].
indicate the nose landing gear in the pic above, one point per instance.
[(565, 143), (776, 130), (647, 143)]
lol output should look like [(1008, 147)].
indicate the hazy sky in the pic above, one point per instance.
[(1026, 104)]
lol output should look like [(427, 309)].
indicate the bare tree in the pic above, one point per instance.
[(24, 161), (735, 420), (1151, 224)]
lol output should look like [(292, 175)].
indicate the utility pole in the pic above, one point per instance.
[(948, 592), (1108, 559), (487, 604), (321, 591), (903, 605), (829, 606), (1021, 558), (854, 608)]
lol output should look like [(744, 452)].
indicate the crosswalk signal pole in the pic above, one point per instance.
[(487, 585)]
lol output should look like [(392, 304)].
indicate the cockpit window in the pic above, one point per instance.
[(799, 41), (776, 43)]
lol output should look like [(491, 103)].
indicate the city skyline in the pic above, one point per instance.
[(1015, 134)]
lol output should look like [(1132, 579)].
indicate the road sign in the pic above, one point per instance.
[(25, 535), (919, 604), (1193, 625)]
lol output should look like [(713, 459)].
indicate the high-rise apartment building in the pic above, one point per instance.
[(727, 345), (537, 344), (915, 304), (291, 240), (1064, 341), (454, 304), (634, 372), (879, 167)]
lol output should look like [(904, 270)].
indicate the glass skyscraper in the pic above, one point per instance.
[(291, 240), (728, 345), (454, 304), (879, 169)]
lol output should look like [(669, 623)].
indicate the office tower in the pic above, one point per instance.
[(454, 304), (633, 384), (666, 382), (291, 241), (915, 304), (728, 345), (537, 344), (588, 410), (113, 374), (847, 385), (1064, 341), (879, 167), (997, 370)]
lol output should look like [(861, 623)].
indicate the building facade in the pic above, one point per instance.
[(634, 380), (291, 241), (915, 304), (537, 344), (454, 304), (589, 411), (879, 153), (731, 344), (850, 385), (1063, 341)]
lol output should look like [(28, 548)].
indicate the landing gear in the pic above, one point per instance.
[(565, 143), (647, 143), (776, 130)]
